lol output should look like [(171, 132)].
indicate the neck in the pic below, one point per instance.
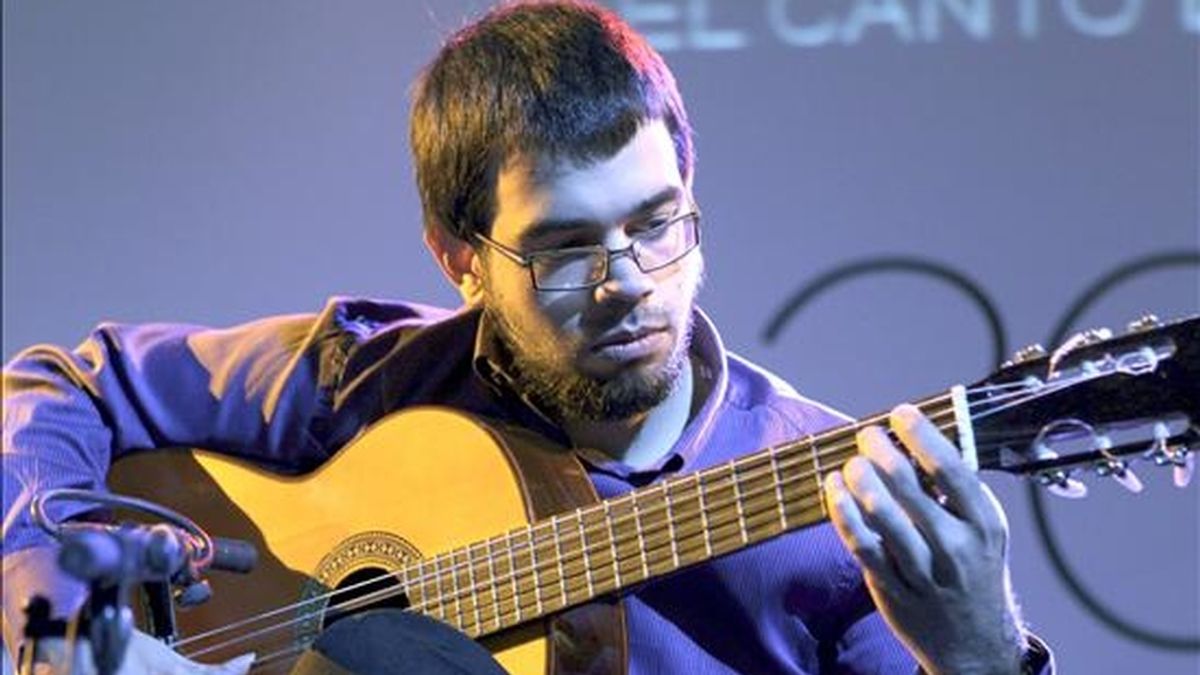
[(642, 440)]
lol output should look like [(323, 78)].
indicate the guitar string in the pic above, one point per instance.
[(641, 557), (472, 591), (733, 538), (296, 648), (532, 530), (771, 507), (806, 502), (533, 541), (652, 557), (1035, 395), (519, 573), (468, 552)]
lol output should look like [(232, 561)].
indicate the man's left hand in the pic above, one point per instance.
[(937, 568)]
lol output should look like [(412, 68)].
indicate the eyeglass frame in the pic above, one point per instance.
[(527, 260)]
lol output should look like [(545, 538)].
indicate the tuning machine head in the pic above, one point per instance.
[(1143, 323), (1115, 467), (1179, 457), (1025, 354), (1060, 484)]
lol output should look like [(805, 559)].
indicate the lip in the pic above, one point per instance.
[(624, 337), (631, 345)]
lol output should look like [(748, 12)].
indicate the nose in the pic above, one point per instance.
[(626, 281)]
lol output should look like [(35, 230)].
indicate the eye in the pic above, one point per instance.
[(652, 226)]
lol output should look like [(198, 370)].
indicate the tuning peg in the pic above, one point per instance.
[(1184, 468), (1057, 481), (1082, 339), (1029, 353), (1180, 458), (1060, 484), (1144, 323), (1093, 335), (1120, 472), (1115, 468)]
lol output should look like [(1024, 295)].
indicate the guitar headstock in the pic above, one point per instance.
[(1098, 403)]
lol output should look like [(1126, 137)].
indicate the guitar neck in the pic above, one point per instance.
[(560, 562)]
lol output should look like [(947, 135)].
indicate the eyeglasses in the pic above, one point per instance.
[(660, 244)]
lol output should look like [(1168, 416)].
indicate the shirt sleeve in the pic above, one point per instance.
[(254, 391), (869, 646)]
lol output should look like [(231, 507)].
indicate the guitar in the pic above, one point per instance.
[(505, 540)]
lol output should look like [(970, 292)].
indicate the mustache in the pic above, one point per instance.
[(607, 321)]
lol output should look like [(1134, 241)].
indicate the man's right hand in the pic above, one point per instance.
[(144, 656)]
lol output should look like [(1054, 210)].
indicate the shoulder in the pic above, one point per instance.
[(365, 317), (752, 386)]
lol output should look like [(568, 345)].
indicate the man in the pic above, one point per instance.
[(555, 166)]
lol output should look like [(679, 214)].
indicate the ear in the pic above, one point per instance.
[(458, 262)]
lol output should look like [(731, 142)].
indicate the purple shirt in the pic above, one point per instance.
[(287, 392)]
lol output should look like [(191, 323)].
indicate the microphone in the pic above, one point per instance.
[(138, 553)]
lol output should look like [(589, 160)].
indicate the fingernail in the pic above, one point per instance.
[(241, 663), (907, 413)]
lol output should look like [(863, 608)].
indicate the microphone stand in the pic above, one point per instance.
[(112, 560)]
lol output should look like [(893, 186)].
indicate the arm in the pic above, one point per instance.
[(252, 391)]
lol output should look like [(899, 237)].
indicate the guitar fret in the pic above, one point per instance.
[(491, 562), (666, 489), (512, 574), (533, 558), (817, 470), (458, 613), (612, 544), (778, 482), (641, 541), (583, 547), (474, 591), (708, 549), (425, 582), (737, 501), (562, 576), (437, 580)]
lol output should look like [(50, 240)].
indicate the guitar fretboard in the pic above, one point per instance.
[(571, 558)]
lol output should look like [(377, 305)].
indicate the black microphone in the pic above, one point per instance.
[(233, 555), (137, 553)]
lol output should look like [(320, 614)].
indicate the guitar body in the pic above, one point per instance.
[(416, 484)]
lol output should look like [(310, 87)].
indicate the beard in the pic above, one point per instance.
[(563, 393)]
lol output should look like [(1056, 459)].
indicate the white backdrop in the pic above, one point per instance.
[(216, 161)]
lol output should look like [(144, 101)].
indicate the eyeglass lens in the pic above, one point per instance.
[(652, 250)]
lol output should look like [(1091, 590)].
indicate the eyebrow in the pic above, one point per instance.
[(550, 226)]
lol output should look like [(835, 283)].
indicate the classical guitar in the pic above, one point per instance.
[(500, 535)]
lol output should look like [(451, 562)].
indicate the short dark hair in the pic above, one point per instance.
[(544, 80)]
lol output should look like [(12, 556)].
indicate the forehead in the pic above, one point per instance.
[(609, 190)]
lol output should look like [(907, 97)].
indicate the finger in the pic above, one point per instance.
[(898, 473), (1000, 532), (884, 515), (862, 542), (238, 666), (942, 462)]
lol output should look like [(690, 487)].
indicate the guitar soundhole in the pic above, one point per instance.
[(364, 589)]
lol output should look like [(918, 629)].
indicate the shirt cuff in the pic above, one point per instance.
[(33, 571), (1037, 660)]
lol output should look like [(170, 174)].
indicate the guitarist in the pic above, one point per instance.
[(554, 161)]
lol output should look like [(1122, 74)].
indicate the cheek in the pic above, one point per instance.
[(685, 284), (545, 319)]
